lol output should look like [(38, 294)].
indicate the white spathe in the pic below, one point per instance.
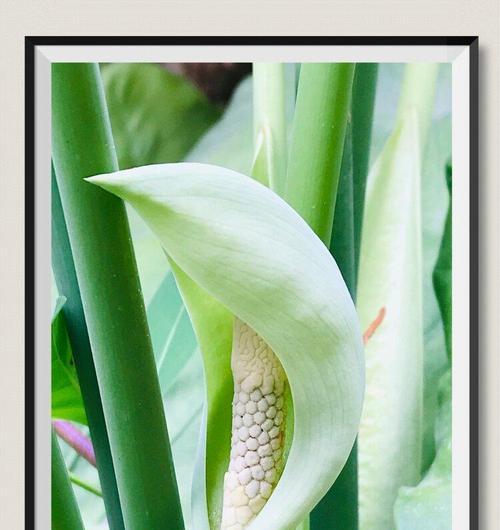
[(250, 250)]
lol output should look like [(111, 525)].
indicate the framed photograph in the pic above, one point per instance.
[(252, 283)]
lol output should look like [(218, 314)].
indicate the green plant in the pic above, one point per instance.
[(266, 268)]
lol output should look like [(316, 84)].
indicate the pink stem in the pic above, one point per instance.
[(77, 440)]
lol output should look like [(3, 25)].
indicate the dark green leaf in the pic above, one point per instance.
[(66, 395), (156, 116), (442, 272)]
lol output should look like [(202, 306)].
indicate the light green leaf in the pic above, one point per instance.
[(149, 108), (174, 342), (252, 252), (428, 505), (67, 401), (390, 277), (180, 369)]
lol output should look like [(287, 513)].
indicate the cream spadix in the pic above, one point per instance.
[(254, 253)]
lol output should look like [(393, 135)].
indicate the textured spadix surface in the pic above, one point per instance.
[(250, 250), (258, 430)]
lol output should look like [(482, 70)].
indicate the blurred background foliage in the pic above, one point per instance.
[(202, 112)]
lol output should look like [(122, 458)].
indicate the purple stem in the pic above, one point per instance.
[(77, 440)]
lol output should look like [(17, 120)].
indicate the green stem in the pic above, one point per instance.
[(315, 168), (67, 284), (319, 126), (84, 485), (342, 241), (65, 512), (363, 103), (338, 510), (270, 120), (112, 300)]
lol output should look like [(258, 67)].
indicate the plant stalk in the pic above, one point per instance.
[(269, 118), (84, 485), (319, 157), (363, 103), (418, 89), (65, 276), (339, 508), (112, 301), (319, 126), (65, 512)]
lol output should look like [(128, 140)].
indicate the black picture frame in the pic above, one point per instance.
[(31, 42)]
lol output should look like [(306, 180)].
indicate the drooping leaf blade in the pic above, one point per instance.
[(286, 286)]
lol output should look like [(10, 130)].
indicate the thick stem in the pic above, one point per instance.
[(319, 126), (67, 284), (112, 300), (363, 103), (339, 508)]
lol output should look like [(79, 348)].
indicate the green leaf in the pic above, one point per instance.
[(180, 370), (442, 273), (284, 284), (171, 331), (435, 202), (155, 115), (428, 505), (67, 401)]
